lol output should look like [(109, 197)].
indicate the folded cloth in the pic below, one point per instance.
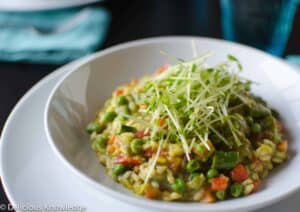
[(55, 37), (293, 59)]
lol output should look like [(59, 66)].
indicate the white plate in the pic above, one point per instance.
[(30, 5), (32, 175)]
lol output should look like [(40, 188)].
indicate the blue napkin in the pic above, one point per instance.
[(55, 37), (294, 60)]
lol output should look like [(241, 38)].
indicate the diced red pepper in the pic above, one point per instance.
[(149, 152), (239, 173), (127, 161), (142, 133), (256, 185), (219, 183)]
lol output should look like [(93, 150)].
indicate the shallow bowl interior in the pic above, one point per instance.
[(77, 97)]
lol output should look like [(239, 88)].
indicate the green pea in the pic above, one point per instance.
[(100, 141), (215, 139), (220, 195), (259, 111), (275, 113), (196, 180), (249, 120), (200, 148), (136, 146), (179, 185), (122, 100), (119, 169), (212, 173), (236, 189), (192, 166), (256, 128), (124, 109), (94, 127), (109, 116), (247, 85)]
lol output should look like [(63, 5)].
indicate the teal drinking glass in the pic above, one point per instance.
[(264, 24)]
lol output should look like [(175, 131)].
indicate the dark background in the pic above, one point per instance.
[(131, 19)]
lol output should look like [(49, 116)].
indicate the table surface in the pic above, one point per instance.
[(131, 20)]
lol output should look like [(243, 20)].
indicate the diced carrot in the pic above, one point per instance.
[(111, 140), (127, 161), (208, 197), (219, 183), (161, 69), (119, 92), (283, 146), (175, 163), (239, 173), (110, 149), (151, 192), (162, 121), (256, 185)]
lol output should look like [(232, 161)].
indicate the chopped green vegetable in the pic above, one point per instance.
[(125, 128), (225, 160)]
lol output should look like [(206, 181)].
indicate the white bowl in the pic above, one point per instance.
[(78, 95)]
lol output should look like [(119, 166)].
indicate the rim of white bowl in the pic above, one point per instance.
[(139, 201)]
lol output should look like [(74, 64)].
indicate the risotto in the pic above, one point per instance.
[(189, 132)]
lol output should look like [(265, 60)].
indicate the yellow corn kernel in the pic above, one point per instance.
[(175, 150), (161, 160)]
